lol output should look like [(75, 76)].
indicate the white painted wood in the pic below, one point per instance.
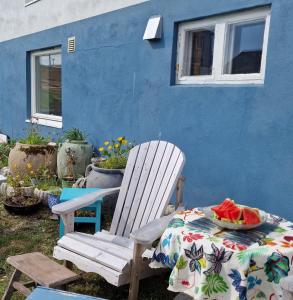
[(110, 247), (153, 198), (90, 266), (152, 231), (170, 187), (150, 183), (68, 220), (88, 251), (115, 239), (150, 178), (139, 194), (160, 201), (124, 189), (220, 24), (80, 202), (129, 199)]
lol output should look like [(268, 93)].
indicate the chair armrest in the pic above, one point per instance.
[(152, 231), (80, 202)]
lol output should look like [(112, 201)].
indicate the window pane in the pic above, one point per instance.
[(245, 43), (199, 56), (48, 84)]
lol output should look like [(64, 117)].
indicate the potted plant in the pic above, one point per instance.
[(107, 171), (74, 155), (35, 150), (44, 185), (54, 197), (19, 197)]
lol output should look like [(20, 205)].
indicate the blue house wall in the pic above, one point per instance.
[(237, 139)]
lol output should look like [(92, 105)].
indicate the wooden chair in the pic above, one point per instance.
[(153, 170)]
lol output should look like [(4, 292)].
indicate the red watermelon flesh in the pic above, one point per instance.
[(251, 216), (228, 210)]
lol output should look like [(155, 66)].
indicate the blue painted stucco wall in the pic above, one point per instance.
[(237, 139)]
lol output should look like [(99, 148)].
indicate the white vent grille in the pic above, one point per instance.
[(71, 44)]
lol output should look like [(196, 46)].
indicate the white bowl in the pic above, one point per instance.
[(209, 214)]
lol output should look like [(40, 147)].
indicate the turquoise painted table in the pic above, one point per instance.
[(71, 193), (50, 294)]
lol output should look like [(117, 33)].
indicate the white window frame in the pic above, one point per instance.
[(221, 26), (42, 119)]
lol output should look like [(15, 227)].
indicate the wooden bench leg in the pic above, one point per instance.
[(10, 289), (135, 272)]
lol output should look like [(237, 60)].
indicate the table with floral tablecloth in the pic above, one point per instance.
[(208, 262)]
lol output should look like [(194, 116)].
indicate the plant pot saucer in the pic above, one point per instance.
[(22, 209)]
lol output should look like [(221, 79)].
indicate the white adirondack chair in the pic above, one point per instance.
[(153, 170)]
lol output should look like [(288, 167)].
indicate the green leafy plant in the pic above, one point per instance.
[(33, 136), (114, 154), (74, 134), (19, 181), (4, 153)]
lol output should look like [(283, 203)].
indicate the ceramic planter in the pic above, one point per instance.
[(81, 154), (103, 178), (42, 195), (36, 155), (53, 200), (22, 209)]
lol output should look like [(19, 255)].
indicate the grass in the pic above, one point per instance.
[(22, 234)]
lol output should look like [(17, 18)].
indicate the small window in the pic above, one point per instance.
[(46, 87), (226, 49)]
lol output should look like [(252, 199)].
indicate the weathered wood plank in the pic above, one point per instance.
[(143, 208), (124, 188), (132, 187), (144, 176), (100, 256), (116, 239), (87, 265), (94, 241), (10, 289), (21, 288), (158, 182), (42, 270)]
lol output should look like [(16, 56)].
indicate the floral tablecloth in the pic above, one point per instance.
[(208, 262)]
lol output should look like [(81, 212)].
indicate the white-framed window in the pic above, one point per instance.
[(228, 49), (46, 87), (29, 2)]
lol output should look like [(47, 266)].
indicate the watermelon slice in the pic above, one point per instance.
[(251, 216), (228, 210)]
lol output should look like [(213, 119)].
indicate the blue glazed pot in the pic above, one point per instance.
[(53, 200)]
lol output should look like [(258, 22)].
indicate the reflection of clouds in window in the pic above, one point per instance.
[(50, 60)]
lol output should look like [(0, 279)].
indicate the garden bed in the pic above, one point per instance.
[(37, 232)]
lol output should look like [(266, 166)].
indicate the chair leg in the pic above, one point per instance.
[(135, 272), (10, 289)]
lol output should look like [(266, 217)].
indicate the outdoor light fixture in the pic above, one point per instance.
[(154, 28)]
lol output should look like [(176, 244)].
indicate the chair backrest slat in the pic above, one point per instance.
[(149, 181)]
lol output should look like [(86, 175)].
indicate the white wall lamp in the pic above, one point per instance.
[(154, 28)]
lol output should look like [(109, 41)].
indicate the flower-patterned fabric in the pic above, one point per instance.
[(208, 262)]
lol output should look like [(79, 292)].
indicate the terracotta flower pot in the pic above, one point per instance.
[(24, 158)]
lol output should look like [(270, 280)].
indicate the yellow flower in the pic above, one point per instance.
[(120, 139), (106, 143), (124, 142), (116, 146), (101, 149), (29, 166), (110, 147), (32, 172), (202, 262)]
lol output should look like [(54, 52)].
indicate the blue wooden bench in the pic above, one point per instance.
[(50, 294), (71, 193)]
